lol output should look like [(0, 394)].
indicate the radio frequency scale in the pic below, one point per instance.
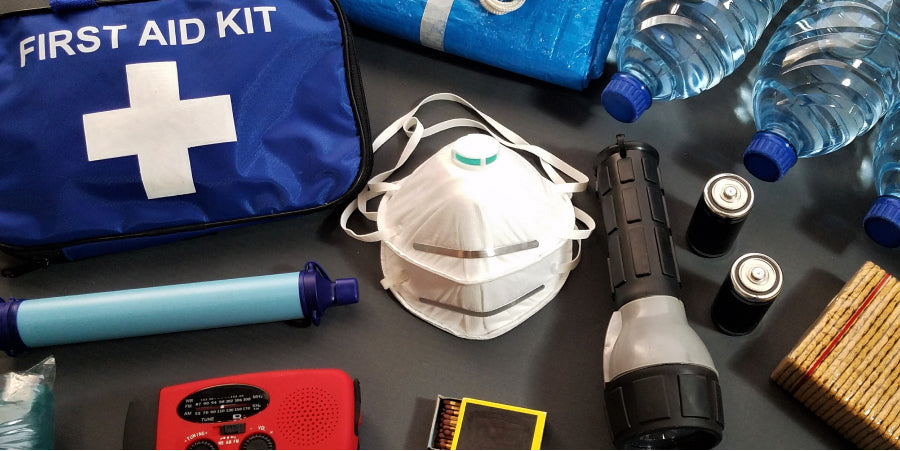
[(292, 409)]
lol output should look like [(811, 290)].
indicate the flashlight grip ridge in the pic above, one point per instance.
[(641, 252)]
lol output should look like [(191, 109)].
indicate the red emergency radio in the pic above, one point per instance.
[(293, 409)]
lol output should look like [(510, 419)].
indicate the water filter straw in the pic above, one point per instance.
[(674, 49), (172, 308), (882, 222), (828, 74)]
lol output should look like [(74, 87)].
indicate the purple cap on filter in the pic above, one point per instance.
[(10, 340), (318, 292)]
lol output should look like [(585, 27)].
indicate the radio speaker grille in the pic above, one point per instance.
[(308, 417)]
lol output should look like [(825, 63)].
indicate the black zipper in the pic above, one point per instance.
[(358, 105), (19, 7)]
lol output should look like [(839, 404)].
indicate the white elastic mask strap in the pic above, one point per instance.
[(411, 125), (578, 235), (414, 129), (587, 220), (503, 134), (522, 145), (376, 185), (363, 197), (549, 162)]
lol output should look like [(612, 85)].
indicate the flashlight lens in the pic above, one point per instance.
[(675, 438)]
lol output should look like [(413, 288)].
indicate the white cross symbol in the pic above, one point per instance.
[(159, 128)]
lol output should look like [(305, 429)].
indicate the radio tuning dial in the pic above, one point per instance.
[(203, 444), (258, 441)]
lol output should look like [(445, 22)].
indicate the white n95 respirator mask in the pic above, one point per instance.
[(476, 239)]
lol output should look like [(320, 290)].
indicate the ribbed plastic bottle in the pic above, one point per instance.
[(675, 49), (829, 73), (882, 223)]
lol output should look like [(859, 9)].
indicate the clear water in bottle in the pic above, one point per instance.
[(674, 49), (882, 223), (829, 73)]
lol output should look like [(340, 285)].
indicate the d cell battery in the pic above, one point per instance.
[(754, 281), (719, 215)]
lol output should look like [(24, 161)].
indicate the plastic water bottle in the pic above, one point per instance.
[(882, 223), (829, 73), (674, 49)]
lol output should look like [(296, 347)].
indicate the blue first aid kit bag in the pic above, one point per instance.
[(561, 42), (128, 123)]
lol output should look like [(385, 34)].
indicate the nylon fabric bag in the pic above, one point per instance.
[(125, 124)]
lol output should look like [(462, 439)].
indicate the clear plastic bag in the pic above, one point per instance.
[(26, 407)]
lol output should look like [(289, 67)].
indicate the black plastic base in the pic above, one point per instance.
[(673, 406)]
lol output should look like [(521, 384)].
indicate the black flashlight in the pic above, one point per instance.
[(662, 389)]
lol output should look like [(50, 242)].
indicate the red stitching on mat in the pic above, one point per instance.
[(840, 335)]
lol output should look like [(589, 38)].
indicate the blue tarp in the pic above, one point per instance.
[(561, 42)]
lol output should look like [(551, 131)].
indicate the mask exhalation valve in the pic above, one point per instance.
[(475, 150)]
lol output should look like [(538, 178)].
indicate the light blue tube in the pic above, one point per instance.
[(147, 311)]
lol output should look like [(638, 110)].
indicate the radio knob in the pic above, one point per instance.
[(203, 444), (258, 441)]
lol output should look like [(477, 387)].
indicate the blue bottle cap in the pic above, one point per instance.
[(882, 223), (769, 156), (625, 97)]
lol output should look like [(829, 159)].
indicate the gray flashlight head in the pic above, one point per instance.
[(662, 390)]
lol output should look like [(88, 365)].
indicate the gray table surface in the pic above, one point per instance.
[(810, 223)]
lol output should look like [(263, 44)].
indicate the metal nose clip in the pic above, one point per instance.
[(488, 313), (502, 250)]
